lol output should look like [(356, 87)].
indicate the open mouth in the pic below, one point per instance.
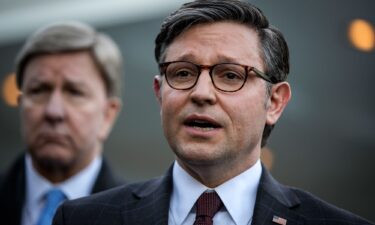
[(202, 124)]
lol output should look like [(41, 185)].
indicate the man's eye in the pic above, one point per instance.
[(37, 90), (34, 90), (182, 73), (232, 76), (229, 75), (75, 92)]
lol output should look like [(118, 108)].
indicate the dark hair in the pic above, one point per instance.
[(275, 53), (67, 36)]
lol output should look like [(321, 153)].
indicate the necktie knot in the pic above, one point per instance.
[(207, 205), (55, 196), (53, 199)]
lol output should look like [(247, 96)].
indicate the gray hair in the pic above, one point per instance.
[(275, 53), (67, 36)]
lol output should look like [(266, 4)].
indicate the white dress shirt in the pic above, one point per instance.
[(79, 185), (237, 194)]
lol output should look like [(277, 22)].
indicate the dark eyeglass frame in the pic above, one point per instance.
[(163, 68)]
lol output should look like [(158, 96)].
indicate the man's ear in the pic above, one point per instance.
[(157, 87), (279, 98), (112, 110)]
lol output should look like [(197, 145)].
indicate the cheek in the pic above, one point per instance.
[(87, 121), (247, 116), (30, 117), (171, 103), (167, 115)]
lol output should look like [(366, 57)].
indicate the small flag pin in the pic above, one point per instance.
[(279, 220)]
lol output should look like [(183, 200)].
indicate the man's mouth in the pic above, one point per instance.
[(51, 138), (201, 123)]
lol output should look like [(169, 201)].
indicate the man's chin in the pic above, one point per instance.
[(50, 156), (51, 164), (200, 158)]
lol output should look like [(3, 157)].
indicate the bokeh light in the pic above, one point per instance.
[(362, 35), (267, 157), (10, 90)]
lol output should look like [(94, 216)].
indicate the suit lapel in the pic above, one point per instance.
[(275, 203), (12, 192), (13, 189), (152, 202)]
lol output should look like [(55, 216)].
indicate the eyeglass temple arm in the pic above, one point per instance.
[(272, 80)]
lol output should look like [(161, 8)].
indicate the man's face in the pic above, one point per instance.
[(65, 112), (205, 126)]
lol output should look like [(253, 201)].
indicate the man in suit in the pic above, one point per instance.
[(70, 78), (222, 87)]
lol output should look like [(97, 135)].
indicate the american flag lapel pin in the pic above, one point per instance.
[(279, 220)]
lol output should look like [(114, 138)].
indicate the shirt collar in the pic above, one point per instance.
[(77, 186), (186, 191), (246, 187)]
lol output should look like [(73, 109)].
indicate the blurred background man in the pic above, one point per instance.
[(70, 77)]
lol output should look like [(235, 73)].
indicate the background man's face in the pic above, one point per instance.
[(239, 117), (63, 109)]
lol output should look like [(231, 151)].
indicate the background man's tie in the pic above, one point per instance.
[(54, 198), (207, 205)]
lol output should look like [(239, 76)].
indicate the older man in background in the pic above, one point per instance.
[(70, 78)]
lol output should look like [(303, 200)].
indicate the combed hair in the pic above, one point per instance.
[(68, 36)]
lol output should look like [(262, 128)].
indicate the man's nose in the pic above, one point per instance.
[(204, 91), (55, 107)]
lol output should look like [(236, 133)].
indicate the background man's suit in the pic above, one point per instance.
[(147, 203), (12, 189)]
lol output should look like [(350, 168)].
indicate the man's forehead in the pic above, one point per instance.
[(69, 65), (222, 42), (56, 77), (189, 55)]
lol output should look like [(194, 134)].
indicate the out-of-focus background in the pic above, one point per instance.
[(324, 142)]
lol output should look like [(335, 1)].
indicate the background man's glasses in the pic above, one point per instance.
[(228, 77)]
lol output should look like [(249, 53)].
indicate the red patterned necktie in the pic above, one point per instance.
[(207, 205)]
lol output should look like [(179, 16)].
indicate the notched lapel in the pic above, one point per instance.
[(275, 203), (12, 192)]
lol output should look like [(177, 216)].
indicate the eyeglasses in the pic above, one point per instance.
[(228, 77)]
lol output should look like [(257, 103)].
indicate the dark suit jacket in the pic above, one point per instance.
[(147, 203), (13, 188)]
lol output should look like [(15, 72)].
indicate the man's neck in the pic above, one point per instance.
[(216, 174)]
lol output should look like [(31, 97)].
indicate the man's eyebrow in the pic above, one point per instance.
[(36, 80), (228, 59), (76, 83), (185, 57), (220, 59)]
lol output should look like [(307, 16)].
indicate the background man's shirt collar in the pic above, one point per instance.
[(79, 185)]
